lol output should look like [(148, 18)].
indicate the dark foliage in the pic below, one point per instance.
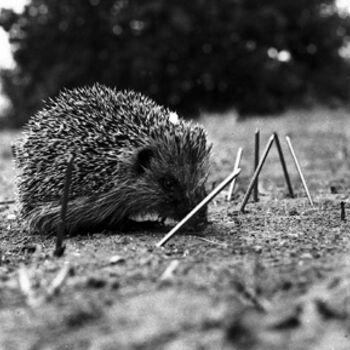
[(189, 55)]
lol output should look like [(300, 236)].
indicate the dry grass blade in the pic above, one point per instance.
[(59, 250), (297, 165), (257, 172), (220, 244), (199, 206), (236, 166)]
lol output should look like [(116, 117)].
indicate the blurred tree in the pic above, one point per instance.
[(189, 55)]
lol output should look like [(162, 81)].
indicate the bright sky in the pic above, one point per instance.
[(5, 56), (6, 60), (344, 4)]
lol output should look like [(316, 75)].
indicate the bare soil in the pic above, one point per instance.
[(274, 277)]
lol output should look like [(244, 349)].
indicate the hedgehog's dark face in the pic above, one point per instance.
[(172, 183)]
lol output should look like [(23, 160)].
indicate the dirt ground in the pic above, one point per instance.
[(277, 276)]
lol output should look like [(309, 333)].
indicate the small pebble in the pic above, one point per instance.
[(258, 249), (306, 256), (11, 216), (116, 259)]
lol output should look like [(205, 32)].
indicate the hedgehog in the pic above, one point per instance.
[(131, 158)]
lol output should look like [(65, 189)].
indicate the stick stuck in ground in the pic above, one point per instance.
[(342, 211), (59, 250), (236, 166), (199, 206), (297, 165), (284, 166), (257, 172), (256, 163)]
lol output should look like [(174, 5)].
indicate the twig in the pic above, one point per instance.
[(236, 166), (249, 295), (284, 166), (168, 274), (26, 286), (297, 165), (59, 250), (256, 163), (199, 206), (24, 281), (7, 202), (58, 281), (257, 172), (34, 299)]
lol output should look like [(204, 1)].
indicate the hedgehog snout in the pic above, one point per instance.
[(200, 219)]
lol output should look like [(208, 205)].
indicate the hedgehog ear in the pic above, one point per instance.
[(143, 159)]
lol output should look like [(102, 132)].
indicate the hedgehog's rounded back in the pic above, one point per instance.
[(131, 158)]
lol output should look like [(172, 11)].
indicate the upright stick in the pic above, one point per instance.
[(297, 165), (342, 211), (64, 204), (257, 172), (199, 206), (284, 166), (236, 166), (256, 163)]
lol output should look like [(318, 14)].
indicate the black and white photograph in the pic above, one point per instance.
[(175, 175)]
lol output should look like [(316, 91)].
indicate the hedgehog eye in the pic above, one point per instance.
[(168, 183)]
